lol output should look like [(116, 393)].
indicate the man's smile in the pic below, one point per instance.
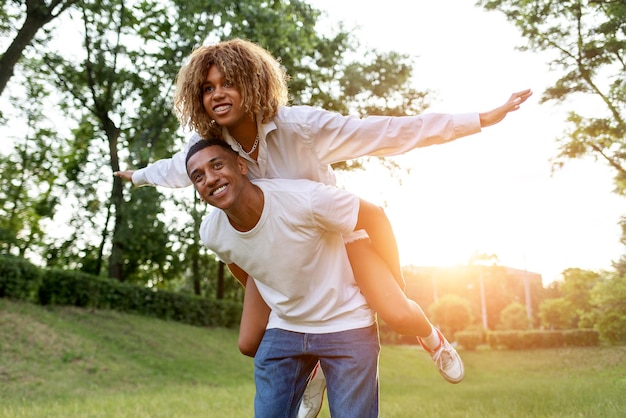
[(219, 190)]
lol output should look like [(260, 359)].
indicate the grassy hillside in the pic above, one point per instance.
[(67, 362)]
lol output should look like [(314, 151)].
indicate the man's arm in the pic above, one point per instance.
[(239, 273), (254, 315)]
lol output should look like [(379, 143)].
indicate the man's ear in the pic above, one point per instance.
[(243, 167)]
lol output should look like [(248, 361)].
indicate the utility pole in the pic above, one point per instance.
[(483, 302)]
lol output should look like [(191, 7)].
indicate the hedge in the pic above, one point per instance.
[(469, 340), (21, 280), (520, 340)]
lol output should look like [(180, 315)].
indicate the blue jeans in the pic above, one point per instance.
[(349, 359)]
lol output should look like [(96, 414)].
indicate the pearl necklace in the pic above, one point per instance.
[(256, 143)]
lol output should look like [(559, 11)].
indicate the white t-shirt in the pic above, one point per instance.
[(297, 256), (302, 142)]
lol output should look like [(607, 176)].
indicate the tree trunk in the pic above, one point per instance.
[(37, 15), (116, 260), (104, 236), (220, 281), (195, 247)]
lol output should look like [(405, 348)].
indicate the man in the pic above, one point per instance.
[(287, 234)]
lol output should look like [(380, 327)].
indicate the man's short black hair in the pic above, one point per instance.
[(204, 143)]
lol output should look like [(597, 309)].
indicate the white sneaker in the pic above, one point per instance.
[(313, 397), (446, 359)]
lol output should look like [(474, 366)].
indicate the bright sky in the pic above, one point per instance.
[(492, 192)]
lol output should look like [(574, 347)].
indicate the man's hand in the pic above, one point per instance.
[(496, 115)]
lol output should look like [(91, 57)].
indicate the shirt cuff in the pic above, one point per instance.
[(139, 178), (466, 124)]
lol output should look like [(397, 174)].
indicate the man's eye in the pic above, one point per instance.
[(218, 165)]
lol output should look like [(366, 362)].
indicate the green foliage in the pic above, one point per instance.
[(379, 86), (581, 337), (25, 22), (513, 317), (589, 300), (19, 279), (469, 340), (451, 314), (60, 287), (573, 308), (145, 239), (586, 39), (557, 313), (576, 287), (31, 177), (532, 339), (609, 301)]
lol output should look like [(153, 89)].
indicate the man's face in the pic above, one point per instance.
[(218, 175)]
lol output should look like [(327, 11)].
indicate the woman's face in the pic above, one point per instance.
[(222, 99)]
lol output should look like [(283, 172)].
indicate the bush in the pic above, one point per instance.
[(61, 287), (513, 340), (521, 340), (513, 317), (19, 279), (544, 339), (451, 313), (585, 337), (469, 340)]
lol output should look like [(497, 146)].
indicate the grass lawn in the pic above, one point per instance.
[(67, 362)]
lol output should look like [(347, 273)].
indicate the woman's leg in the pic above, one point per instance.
[(383, 293)]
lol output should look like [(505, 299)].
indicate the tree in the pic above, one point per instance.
[(31, 176), (573, 308), (100, 88), (115, 86), (576, 288), (608, 299), (513, 317), (123, 83), (588, 39), (38, 14), (556, 313), (377, 85), (451, 314)]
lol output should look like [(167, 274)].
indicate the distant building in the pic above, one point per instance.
[(489, 289)]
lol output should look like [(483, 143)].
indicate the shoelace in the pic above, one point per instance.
[(442, 357)]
